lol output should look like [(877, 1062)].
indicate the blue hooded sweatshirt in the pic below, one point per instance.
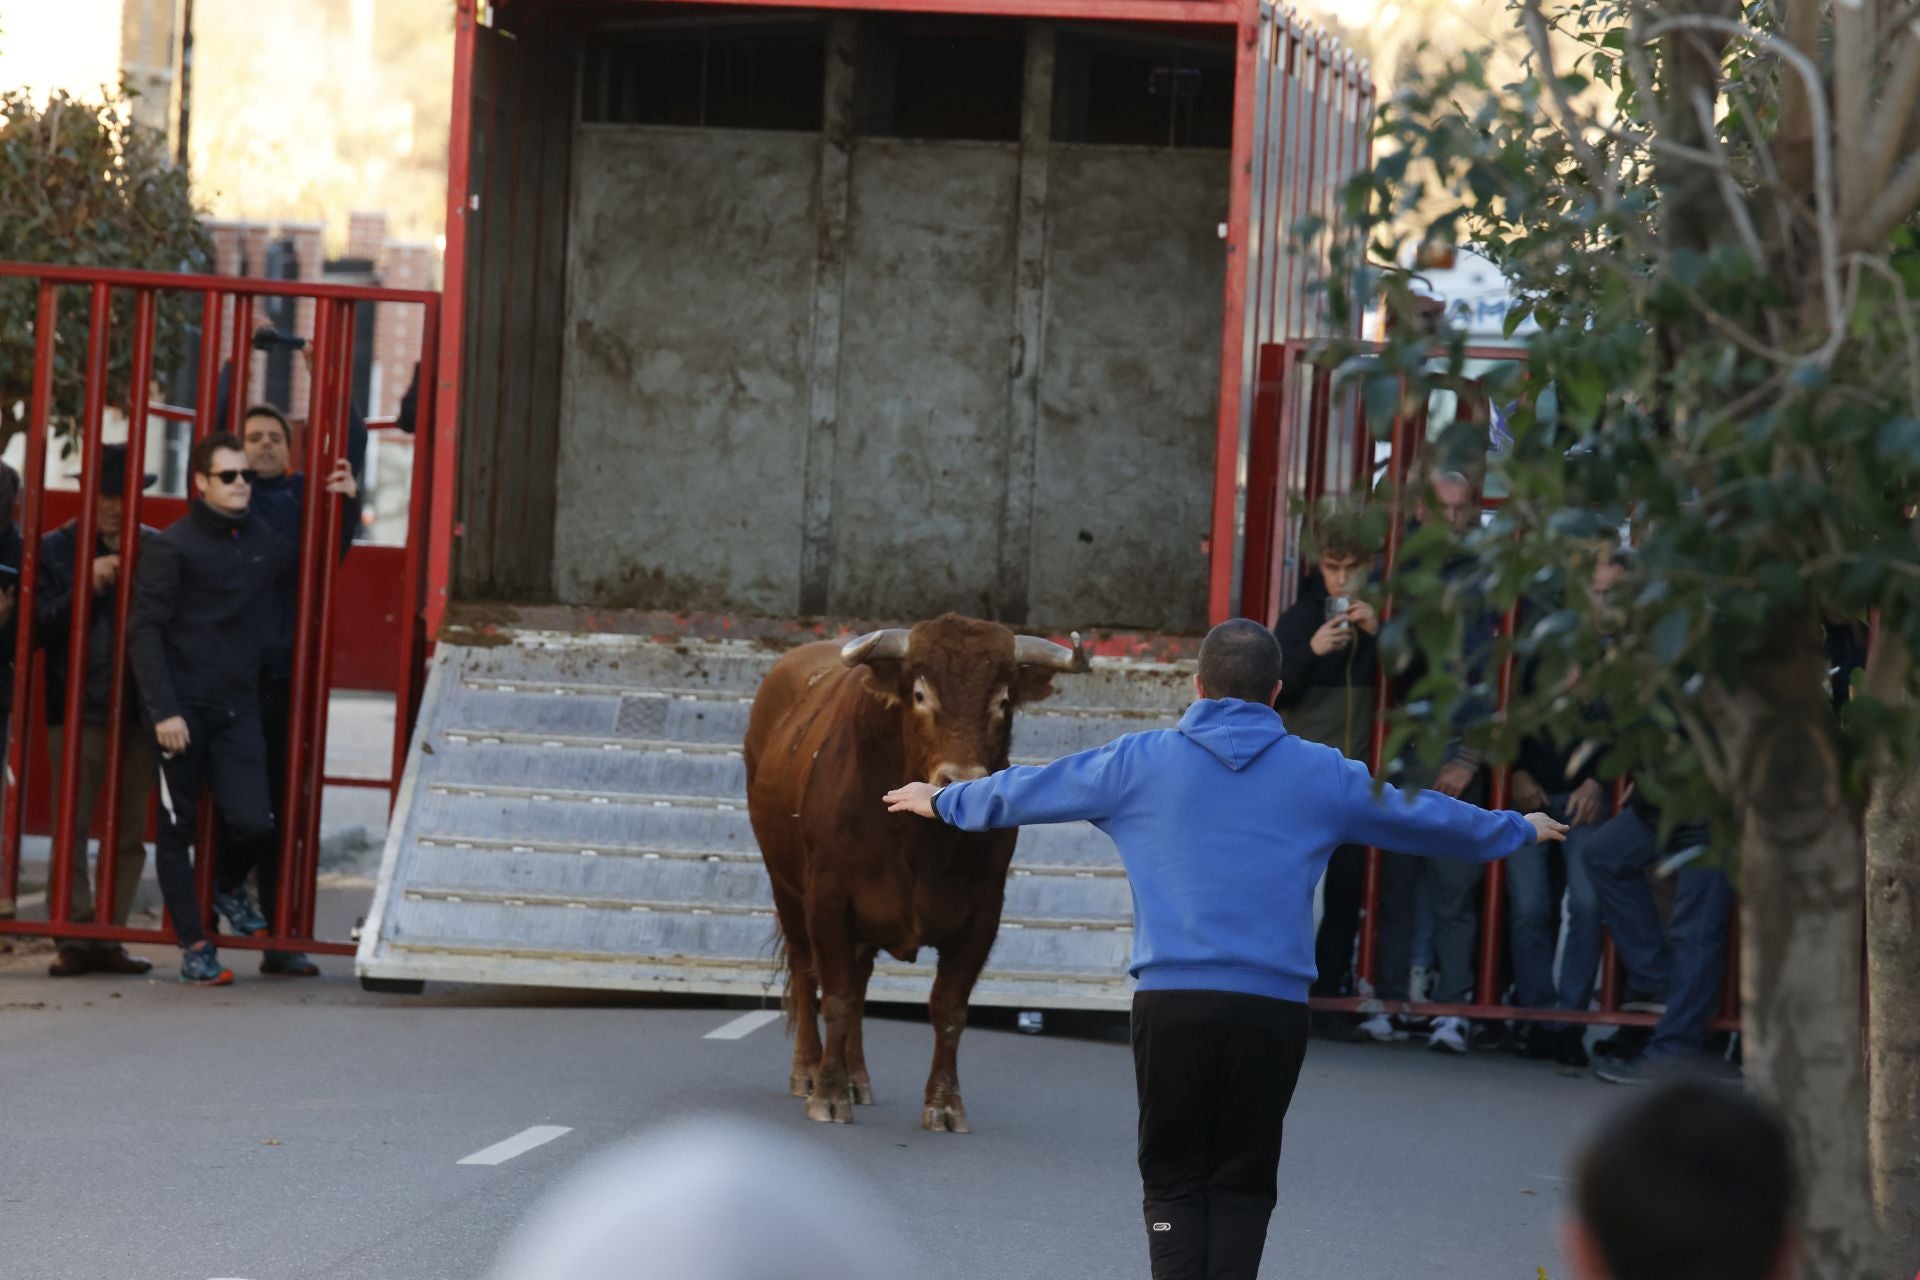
[(1225, 825)]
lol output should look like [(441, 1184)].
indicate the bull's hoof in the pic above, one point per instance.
[(863, 1093), (830, 1109), (951, 1118)]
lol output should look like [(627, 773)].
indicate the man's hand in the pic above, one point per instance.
[(915, 797), (1526, 794), (1584, 805), (172, 735), (341, 481), (105, 570), (1455, 778), (1333, 634), (1545, 828), (1363, 617)]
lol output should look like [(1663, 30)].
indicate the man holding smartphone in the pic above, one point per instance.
[(202, 598), (1329, 656)]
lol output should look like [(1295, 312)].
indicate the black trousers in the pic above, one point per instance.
[(1346, 885), (1215, 1072), (224, 750), (259, 855)]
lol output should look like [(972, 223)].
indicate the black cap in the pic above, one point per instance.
[(113, 471)]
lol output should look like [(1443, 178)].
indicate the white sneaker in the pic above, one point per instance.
[(1420, 983), (1449, 1035), (1380, 1029)]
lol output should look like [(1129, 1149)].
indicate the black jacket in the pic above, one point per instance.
[(1301, 668), (10, 549), (202, 604), (53, 622), (279, 503)]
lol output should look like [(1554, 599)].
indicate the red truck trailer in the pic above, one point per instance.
[(766, 318)]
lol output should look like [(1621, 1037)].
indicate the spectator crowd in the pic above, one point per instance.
[(209, 654), (1624, 871)]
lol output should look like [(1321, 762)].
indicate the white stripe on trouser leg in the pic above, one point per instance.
[(166, 799)]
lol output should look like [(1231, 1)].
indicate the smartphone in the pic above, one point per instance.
[(1336, 606)]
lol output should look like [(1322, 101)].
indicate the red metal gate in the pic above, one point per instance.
[(226, 307), (1311, 440)]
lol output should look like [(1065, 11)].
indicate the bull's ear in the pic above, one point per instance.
[(883, 654), (1033, 684), (882, 680)]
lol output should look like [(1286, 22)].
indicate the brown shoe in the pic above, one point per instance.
[(71, 961), (117, 959)]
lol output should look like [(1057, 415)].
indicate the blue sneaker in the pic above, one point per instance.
[(242, 915), (201, 967)]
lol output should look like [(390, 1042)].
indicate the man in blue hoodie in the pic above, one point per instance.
[(1225, 824)]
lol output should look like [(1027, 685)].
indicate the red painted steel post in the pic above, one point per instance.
[(453, 282), (69, 842), (1266, 489), (1609, 955), (1318, 419), (339, 412), (33, 499), (206, 854), (1283, 585), (1383, 692), (107, 876), (325, 335), (206, 394), (418, 522), (1491, 908), (1226, 458), (240, 379)]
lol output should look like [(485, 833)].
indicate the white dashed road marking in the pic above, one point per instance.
[(519, 1144), (744, 1025)]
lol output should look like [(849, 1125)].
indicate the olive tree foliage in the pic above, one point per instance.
[(81, 184), (1709, 211)]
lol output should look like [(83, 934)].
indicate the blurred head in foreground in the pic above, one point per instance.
[(1694, 1182), (705, 1200)]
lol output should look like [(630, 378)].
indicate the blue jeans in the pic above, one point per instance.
[(1686, 961), (1535, 917)]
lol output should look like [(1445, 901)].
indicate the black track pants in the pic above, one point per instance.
[(1215, 1071)]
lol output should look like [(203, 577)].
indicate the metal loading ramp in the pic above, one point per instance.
[(574, 814)]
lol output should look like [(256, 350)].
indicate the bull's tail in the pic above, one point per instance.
[(777, 946)]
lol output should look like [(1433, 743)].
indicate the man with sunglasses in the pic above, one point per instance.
[(201, 611)]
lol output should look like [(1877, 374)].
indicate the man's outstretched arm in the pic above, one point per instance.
[(1433, 824), (1084, 787)]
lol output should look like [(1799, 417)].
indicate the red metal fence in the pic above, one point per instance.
[(1311, 440), (225, 305)]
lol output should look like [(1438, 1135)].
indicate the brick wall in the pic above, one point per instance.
[(239, 248)]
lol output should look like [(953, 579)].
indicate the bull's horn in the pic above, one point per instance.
[(875, 646), (1032, 651)]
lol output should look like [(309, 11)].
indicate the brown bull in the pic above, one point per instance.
[(834, 728)]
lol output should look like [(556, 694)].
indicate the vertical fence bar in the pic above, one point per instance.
[(1495, 900), (1609, 955), (325, 336), (33, 499), (240, 365), (411, 624), (1266, 489), (106, 879), (1397, 460), (69, 842), (333, 448), (207, 383)]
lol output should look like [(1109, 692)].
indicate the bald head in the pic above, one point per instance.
[(1240, 659)]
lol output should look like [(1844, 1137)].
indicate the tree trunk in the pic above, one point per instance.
[(1893, 1021), (1801, 880)]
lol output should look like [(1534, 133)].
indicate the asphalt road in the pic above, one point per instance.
[(281, 1130)]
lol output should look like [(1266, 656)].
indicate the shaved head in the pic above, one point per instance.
[(1240, 659)]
